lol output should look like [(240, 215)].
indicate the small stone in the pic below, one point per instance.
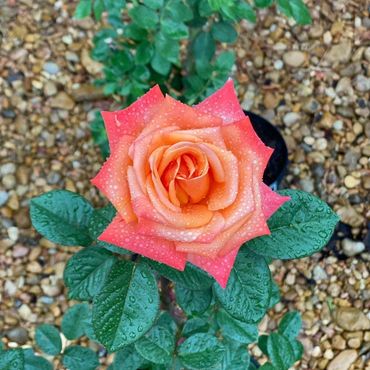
[(19, 251), (51, 68), (354, 343), (316, 31), (328, 38), (311, 105), (62, 101), (340, 53), (278, 64), (4, 196), (362, 83), (291, 118), (343, 360), (35, 253), (294, 58), (13, 233), (7, 168), (307, 185), (319, 273), (351, 182), (51, 290), (367, 53), (9, 181), (34, 267), (50, 88), (329, 354), (338, 342), (87, 92), (90, 65), (8, 113), (351, 247), (351, 319), (18, 335), (24, 312), (10, 288)]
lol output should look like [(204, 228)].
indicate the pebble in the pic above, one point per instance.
[(92, 66), (338, 342), (18, 335), (20, 251), (50, 88), (362, 83), (351, 248), (13, 233), (341, 52), (291, 118), (351, 182), (319, 273), (278, 64), (9, 181), (10, 288), (51, 68), (7, 168), (351, 319), (294, 58), (62, 101), (343, 360), (4, 196)]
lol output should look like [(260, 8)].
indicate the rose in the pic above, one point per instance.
[(186, 181)]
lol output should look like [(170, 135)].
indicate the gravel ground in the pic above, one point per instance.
[(313, 82)]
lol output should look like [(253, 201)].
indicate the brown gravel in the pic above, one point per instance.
[(313, 82)]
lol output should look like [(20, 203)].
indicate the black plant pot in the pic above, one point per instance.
[(271, 136)]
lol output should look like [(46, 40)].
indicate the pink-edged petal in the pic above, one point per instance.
[(271, 201), (223, 103), (126, 236), (131, 120), (219, 268), (172, 112), (112, 179)]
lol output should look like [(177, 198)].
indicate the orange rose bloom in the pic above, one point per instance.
[(186, 181)]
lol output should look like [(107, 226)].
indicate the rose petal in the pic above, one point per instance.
[(271, 201), (223, 103), (126, 236), (219, 267), (131, 120), (112, 179)]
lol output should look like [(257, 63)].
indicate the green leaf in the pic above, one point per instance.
[(275, 294), (128, 359), (268, 366), (280, 351), (297, 349), (62, 217), (135, 32), (290, 324), (33, 362), (98, 9), (126, 307), (204, 8), (263, 3), (235, 358), (160, 64), (192, 277), (144, 17), (204, 46), (154, 4), (12, 359), (156, 346), (166, 321), (83, 9), (174, 30), (236, 329), (262, 343), (87, 271), (48, 339), (169, 49), (225, 61), (195, 325), (243, 10), (99, 135), (201, 351), (250, 278), (301, 227), (77, 358), (73, 323), (193, 302), (224, 32), (144, 53), (178, 10), (295, 9)]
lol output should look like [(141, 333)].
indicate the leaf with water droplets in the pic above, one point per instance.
[(301, 227), (201, 351), (275, 294), (192, 277), (235, 358), (290, 324), (195, 325), (86, 272), (247, 294), (98, 222), (78, 357), (280, 351), (193, 302), (127, 306), (73, 323), (128, 359), (157, 346), (235, 329), (12, 359), (62, 217)]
